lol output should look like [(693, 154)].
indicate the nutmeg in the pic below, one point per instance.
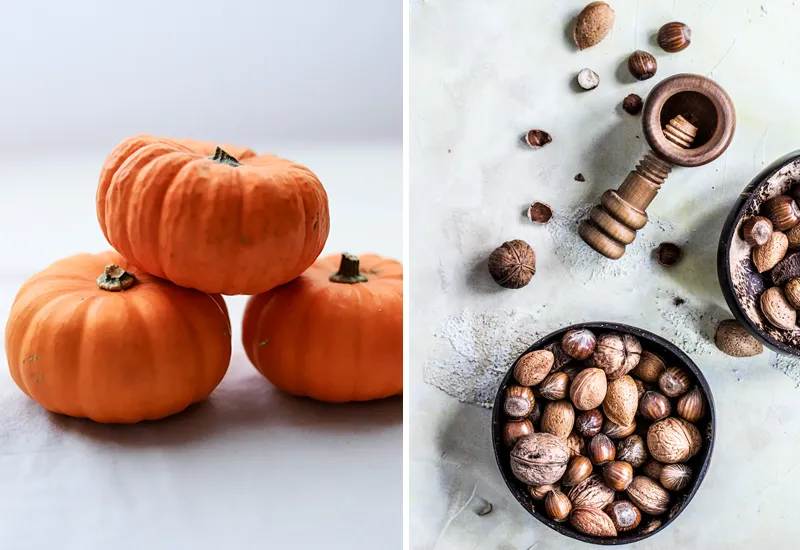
[(601, 449), (624, 515), (575, 444), (615, 431), (621, 401), (541, 491), (674, 381), (642, 65), (632, 104), (649, 368), (674, 37), (578, 469), (654, 406), (533, 367), (589, 423), (579, 343), (518, 401), (652, 468), (648, 495), (618, 474), (632, 450), (692, 405), (514, 429), (782, 211), (675, 477), (593, 522), (616, 354), (757, 230), (673, 440), (539, 459), (557, 506), (592, 491), (555, 386), (513, 264), (588, 389), (558, 418)]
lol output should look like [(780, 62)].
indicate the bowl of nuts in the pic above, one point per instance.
[(758, 259), (603, 432)]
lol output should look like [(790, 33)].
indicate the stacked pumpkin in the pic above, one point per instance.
[(142, 332)]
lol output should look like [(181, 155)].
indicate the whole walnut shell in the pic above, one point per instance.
[(616, 354), (558, 418), (593, 492), (588, 389), (673, 440), (648, 495), (621, 401), (539, 459), (512, 264)]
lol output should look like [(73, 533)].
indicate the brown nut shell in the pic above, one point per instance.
[(767, 256), (576, 445), (650, 526), (757, 230), (632, 450), (578, 469), (674, 37), (539, 459), (674, 381), (673, 440), (618, 474), (782, 211), (579, 343), (675, 477), (533, 367), (692, 405), (589, 423), (555, 386), (648, 495), (621, 400), (777, 309), (733, 339), (592, 491), (536, 412), (615, 431), (558, 418), (652, 468), (792, 292), (588, 389), (601, 449), (649, 368), (557, 506), (654, 406), (593, 522), (514, 429), (540, 212), (593, 24), (642, 65), (541, 491), (616, 354), (518, 402), (513, 264), (624, 515), (793, 236)]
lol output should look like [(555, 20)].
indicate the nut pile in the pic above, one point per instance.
[(600, 431)]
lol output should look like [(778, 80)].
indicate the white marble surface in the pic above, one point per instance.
[(482, 74)]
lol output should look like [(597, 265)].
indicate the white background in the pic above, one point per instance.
[(315, 81)]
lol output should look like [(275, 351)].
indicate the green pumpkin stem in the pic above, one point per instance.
[(115, 279), (348, 271), (221, 157)]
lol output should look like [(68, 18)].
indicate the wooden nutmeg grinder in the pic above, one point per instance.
[(688, 120)]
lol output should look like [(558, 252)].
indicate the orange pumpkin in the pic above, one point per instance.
[(216, 223), (331, 335), (123, 347)]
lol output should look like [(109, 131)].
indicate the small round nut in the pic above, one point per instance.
[(782, 211), (675, 477), (513, 264), (579, 343), (601, 449), (533, 367), (589, 423), (575, 444), (558, 418), (632, 450), (674, 37), (618, 474), (692, 405), (642, 65), (539, 459), (540, 212), (673, 440), (757, 230), (557, 506), (674, 381), (588, 79), (649, 368), (555, 386), (648, 495), (592, 491), (652, 468), (654, 406), (632, 104), (588, 389), (514, 429), (541, 491), (518, 401), (579, 468), (615, 431), (624, 515)]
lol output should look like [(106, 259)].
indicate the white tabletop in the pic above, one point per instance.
[(250, 467)]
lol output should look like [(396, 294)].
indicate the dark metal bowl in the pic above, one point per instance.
[(699, 463), (741, 284)]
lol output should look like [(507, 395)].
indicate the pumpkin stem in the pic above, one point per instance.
[(348, 271), (221, 157), (114, 279)]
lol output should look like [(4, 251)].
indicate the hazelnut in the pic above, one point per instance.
[(579, 468), (655, 406), (733, 339), (513, 264), (792, 292), (536, 413), (593, 24), (675, 477), (652, 468), (515, 429), (615, 431), (650, 526), (757, 230), (621, 401), (555, 386), (539, 212), (767, 256), (642, 65), (674, 381), (537, 138), (557, 506), (632, 104), (674, 37), (539, 459), (618, 474), (533, 367), (632, 450), (777, 309), (624, 515), (668, 254), (518, 402), (575, 445), (558, 418), (588, 389), (692, 405), (616, 354), (589, 423), (593, 522), (588, 79), (649, 368), (782, 211), (673, 440), (648, 495), (540, 492), (601, 449), (579, 343), (592, 491)]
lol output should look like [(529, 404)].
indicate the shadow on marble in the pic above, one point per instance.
[(478, 278), (569, 30), (622, 73)]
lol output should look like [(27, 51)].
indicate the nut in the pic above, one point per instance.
[(652, 468), (757, 230), (555, 386), (649, 368), (540, 492), (579, 468), (777, 309), (632, 104), (618, 474), (537, 138), (557, 506), (668, 254), (539, 212), (674, 37), (675, 477), (515, 429), (588, 389), (588, 79), (615, 431), (621, 400), (518, 402), (601, 449), (692, 405), (642, 65), (655, 406), (593, 24), (674, 381), (593, 522), (533, 367), (650, 526), (673, 440), (648, 495), (592, 491), (513, 264), (793, 236), (624, 515), (536, 413), (558, 418), (733, 339), (786, 269), (767, 256), (632, 450), (575, 444), (792, 292), (640, 389), (616, 354), (539, 459), (579, 343), (782, 211), (589, 423)]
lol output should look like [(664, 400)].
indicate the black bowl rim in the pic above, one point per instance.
[(640, 333), (724, 254)]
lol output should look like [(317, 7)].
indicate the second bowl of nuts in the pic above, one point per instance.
[(603, 432)]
